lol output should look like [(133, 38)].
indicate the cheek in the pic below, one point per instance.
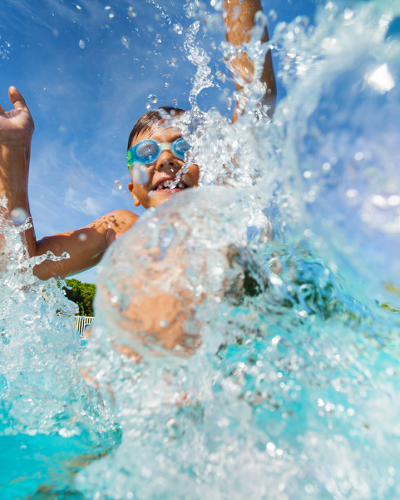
[(146, 182), (193, 173), (141, 191)]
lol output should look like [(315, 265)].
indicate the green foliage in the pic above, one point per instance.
[(82, 294)]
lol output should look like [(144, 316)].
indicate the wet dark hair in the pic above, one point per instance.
[(146, 121)]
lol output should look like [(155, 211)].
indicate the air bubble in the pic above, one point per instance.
[(135, 60), (117, 185), (125, 41), (81, 44), (18, 215), (148, 106), (174, 102), (79, 7), (158, 39), (82, 237), (178, 28), (153, 98), (166, 85), (132, 12)]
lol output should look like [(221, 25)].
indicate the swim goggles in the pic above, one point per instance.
[(149, 150)]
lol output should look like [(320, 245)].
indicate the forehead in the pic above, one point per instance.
[(158, 133)]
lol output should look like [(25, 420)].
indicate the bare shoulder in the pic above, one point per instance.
[(119, 222)]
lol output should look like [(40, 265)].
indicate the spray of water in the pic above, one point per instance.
[(42, 393), (238, 365), (229, 342)]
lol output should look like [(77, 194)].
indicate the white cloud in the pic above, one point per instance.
[(87, 206)]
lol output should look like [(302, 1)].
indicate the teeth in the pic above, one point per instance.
[(167, 184)]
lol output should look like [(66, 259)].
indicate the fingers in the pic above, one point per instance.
[(17, 99)]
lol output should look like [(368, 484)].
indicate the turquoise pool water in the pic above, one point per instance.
[(284, 383)]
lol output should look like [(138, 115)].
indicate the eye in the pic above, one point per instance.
[(146, 150), (181, 146)]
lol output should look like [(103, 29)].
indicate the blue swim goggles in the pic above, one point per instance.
[(149, 150)]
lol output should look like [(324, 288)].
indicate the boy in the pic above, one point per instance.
[(164, 159)]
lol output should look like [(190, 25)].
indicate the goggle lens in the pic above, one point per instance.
[(181, 147), (148, 151)]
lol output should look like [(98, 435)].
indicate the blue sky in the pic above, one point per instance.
[(86, 69)]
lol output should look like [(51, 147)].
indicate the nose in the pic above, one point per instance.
[(167, 162)]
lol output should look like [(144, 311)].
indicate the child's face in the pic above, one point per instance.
[(163, 169)]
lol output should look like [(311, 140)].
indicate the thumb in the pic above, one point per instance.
[(17, 99)]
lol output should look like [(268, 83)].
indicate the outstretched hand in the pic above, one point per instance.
[(16, 126)]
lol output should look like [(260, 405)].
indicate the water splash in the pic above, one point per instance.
[(132, 13), (241, 343), (230, 339), (42, 391)]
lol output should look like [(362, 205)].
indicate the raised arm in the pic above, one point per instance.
[(239, 23), (85, 246)]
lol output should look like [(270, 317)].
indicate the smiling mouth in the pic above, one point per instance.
[(165, 187)]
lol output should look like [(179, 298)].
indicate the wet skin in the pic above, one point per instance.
[(165, 168)]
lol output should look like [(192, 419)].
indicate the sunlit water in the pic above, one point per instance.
[(285, 383)]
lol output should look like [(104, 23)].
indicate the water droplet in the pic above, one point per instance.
[(348, 14), (82, 237), (135, 60), (273, 15), (148, 106), (125, 41), (4, 387), (153, 98), (81, 44), (18, 215), (359, 156), (158, 39), (166, 85), (110, 13), (139, 174), (132, 12), (173, 62), (79, 7), (164, 323), (117, 185), (221, 76), (174, 102), (260, 19), (178, 28)]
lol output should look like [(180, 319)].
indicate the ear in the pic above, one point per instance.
[(133, 194)]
